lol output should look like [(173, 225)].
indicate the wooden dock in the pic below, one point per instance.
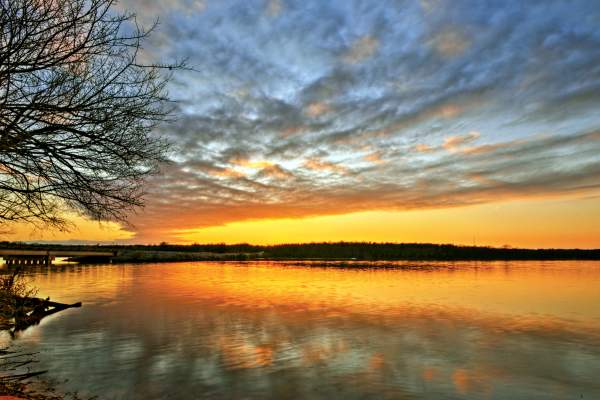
[(45, 257)]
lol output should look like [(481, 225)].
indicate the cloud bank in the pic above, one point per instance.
[(300, 108)]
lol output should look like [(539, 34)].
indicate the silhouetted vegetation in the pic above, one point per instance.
[(13, 293), (338, 250), (419, 251)]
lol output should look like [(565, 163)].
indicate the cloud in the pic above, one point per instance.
[(361, 50), (450, 42), (317, 109), (276, 172), (423, 148), (515, 170), (375, 158), (315, 164), (334, 107), (274, 8), (454, 143), (226, 173), (150, 10)]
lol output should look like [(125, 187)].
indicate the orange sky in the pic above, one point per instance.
[(525, 223), (566, 223)]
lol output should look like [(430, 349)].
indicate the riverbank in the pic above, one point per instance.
[(146, 256), (23, 391), (360, 251), (18, 381), (16, 377), (19, 309), (20, 392)]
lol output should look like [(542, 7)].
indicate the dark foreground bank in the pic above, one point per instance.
[(20, 309)]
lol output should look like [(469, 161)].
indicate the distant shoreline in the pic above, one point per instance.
[(339, 251)]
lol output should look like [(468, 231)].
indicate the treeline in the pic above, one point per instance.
[(349, 250), (419, 251), (218, 248)]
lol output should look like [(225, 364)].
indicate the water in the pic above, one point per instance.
[(504, 330)]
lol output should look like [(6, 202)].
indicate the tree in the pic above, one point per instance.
[(77, 110)]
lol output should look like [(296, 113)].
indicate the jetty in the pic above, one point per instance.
[(45, 257)]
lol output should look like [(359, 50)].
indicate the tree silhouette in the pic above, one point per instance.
[(77, 107)]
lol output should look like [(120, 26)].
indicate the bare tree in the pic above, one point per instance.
[(77, 107)]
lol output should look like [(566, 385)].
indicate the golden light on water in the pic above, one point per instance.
[(534, 288), (442, 327)]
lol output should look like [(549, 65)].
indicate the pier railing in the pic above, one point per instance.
[(45, 257)]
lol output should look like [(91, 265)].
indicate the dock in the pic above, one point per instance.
[(45, 257)]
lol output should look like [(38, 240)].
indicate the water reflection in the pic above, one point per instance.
[(275, 330)]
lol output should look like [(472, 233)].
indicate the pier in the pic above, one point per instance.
[(45, 257)]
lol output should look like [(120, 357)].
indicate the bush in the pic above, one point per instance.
[(13, 293)]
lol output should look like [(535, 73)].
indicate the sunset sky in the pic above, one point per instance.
[(405, 121)]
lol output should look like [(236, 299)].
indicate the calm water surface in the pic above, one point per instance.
[(504, 330)]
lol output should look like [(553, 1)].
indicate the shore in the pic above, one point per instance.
[(147, 256), (18, 386), (351, 251), (16, 373)]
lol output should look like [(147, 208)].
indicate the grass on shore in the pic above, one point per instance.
[(13, 292)]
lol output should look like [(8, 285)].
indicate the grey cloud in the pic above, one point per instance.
[(275, 90)]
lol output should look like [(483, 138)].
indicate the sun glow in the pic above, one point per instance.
[(543, 223)]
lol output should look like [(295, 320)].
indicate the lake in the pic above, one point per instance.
[(311, 330)]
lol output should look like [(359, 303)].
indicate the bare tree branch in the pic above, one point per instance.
[(77, 108)]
